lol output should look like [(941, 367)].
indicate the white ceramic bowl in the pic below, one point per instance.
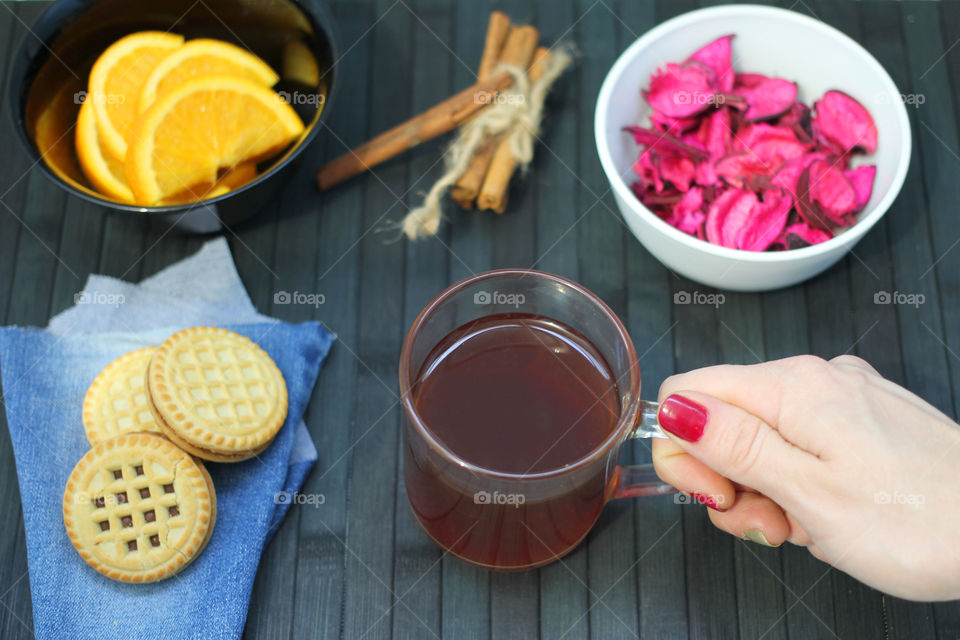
[(774, 42)]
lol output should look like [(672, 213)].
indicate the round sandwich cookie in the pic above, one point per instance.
[(139, 509), (216, 394), (116, 401)]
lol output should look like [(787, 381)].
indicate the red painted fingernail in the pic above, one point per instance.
[(706, 500), (683, 417)]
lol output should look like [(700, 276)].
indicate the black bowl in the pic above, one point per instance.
[(49, 73)]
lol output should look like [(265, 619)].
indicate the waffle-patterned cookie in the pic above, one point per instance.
[(216, 394), (116, 402), (138, 509)]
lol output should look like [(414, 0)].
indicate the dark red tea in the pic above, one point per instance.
[(517, 394)]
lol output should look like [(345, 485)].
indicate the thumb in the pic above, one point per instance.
[(736, 444)]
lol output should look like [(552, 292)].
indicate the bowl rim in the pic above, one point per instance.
[(619, 185), (314, 10)]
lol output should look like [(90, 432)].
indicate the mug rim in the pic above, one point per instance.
[(628, 413)]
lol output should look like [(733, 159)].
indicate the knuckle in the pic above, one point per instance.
[(847, 358), (805, 366), (853, 361), (744, 444)]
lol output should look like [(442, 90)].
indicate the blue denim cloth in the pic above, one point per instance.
[(45, 376)]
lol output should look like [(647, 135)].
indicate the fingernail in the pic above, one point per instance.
[(706, 500), (755, 535), (683, 417)]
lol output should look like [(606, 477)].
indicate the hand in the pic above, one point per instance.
[(825, 455)]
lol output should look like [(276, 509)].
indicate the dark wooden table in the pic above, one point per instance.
[(358, 566)]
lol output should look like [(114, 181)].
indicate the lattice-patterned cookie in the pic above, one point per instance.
[(139, 509), (216, 394), (116, 402)]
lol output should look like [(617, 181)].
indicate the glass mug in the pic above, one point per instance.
[(467, 509)]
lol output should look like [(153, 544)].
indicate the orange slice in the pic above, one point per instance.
[(299, 64), (115, 82), (203, 125), (104, 172), (229, 180), (203, 57)]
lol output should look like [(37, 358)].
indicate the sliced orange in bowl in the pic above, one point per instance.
[(202, 57), (227, 181), (201, 126), (105, 173), (115, 82)]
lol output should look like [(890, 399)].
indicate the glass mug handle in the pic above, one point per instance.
[(636, 480)]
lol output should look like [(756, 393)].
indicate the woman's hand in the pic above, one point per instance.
[(826, 455)]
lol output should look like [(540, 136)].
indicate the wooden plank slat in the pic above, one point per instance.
[(556, 156), (15, 618), (369, 595), (13, 169), (298, 212), (927, 372), (936, 140), (37, 210), (321, 555)]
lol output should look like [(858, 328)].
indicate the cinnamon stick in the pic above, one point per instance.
[(465, 191), (493, 193), (518, 50), (497, 30), (436, 121)]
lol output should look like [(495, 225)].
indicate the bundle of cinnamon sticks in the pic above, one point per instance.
[(484, 183)]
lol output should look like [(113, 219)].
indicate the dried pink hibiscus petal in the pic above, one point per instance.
[(741, 167), (799, 118), (714, 137), (679, 171), (825, 197), (862, 180), (716, 56), (831, 189), (764, 97), (680, 91), (687, 215), (801, 235), (787, 175), (736, 160), (766, 222), (727, 214), (676, 126), (771, 143), (845, 122), (653, 140), (738, 219)]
